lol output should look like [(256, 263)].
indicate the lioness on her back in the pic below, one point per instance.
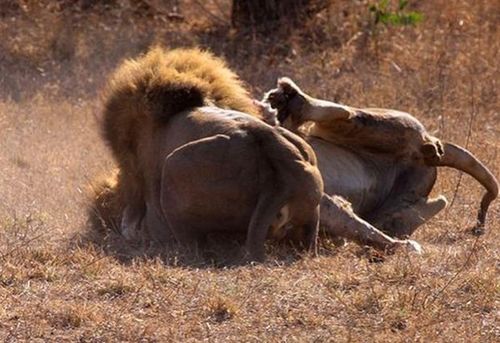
[(383, 161), (193, 157)]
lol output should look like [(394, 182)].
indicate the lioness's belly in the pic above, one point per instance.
[(365, 182)]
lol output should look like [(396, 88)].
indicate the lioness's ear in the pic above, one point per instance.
[(269, 115), (284, 80)]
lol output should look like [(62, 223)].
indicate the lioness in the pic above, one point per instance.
[(383, 161), (191, 162)]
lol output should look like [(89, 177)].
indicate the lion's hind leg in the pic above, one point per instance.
[(185, 185), (217, 184), (311, 229), (305, 234)]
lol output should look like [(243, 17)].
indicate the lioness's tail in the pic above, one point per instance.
[(461, 159), (149, 90)]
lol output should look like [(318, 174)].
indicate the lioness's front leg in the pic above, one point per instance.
[(297, 107), (375, 130), (338, 219)]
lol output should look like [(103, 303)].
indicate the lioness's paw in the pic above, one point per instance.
[(288, 87), (279, 97), (414, 246)]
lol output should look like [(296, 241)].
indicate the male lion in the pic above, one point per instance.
[(191, 161), (383, 161)]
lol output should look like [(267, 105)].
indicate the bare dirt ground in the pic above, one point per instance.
[(57, 285)]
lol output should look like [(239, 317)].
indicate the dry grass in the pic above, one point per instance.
[(56, 285)]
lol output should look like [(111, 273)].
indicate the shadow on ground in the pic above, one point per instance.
[(219, 250)]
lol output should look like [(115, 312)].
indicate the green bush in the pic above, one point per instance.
[(383, 13)]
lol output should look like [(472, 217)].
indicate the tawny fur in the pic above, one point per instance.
[(182, 113), (143, 93), (147, 90), (384, 161), (140, 87)]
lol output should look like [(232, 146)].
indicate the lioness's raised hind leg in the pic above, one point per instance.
[(408, 206), (403, 221)]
